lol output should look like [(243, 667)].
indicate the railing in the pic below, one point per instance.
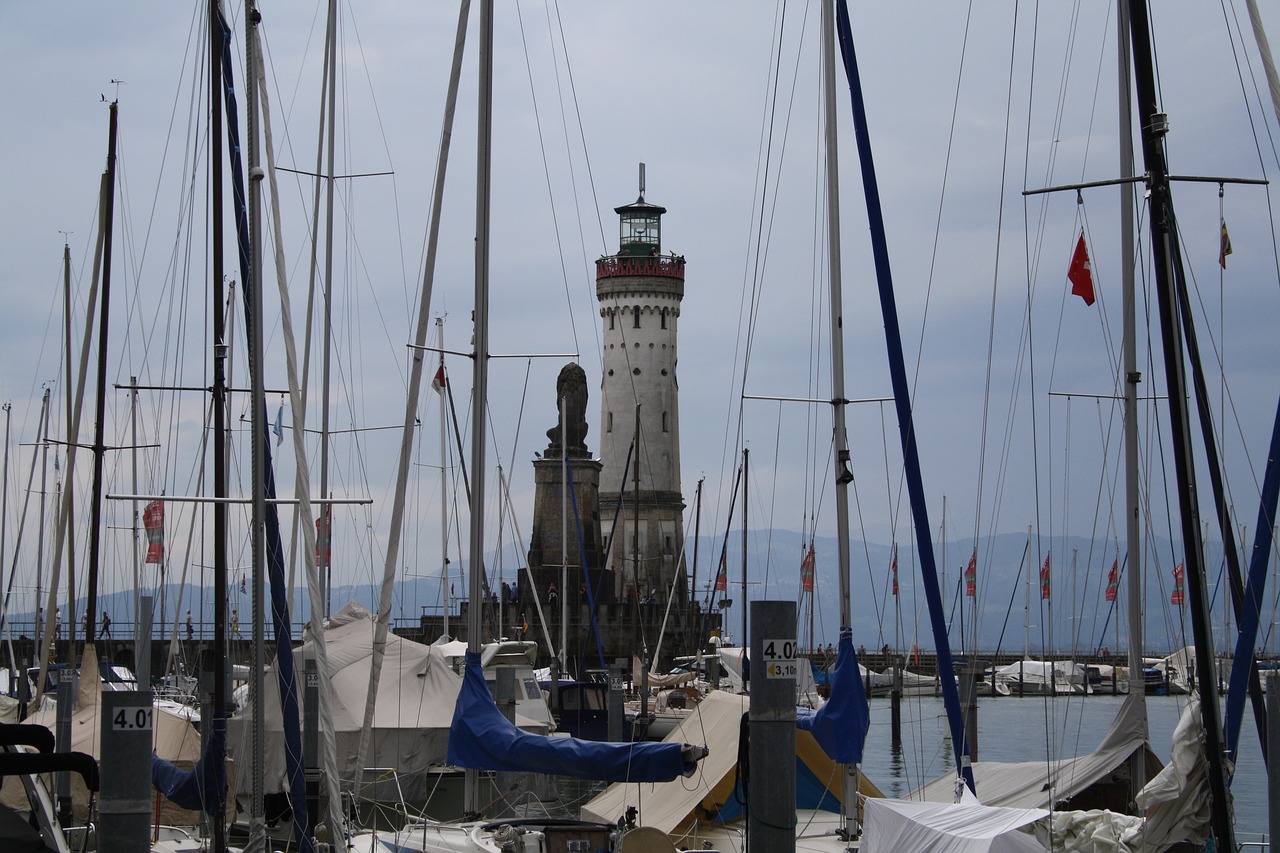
[(664, 266)]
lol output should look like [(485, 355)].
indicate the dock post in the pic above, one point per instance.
[(124, 805), (771, 785), (62, 743), (895, 700), (1273, 757)]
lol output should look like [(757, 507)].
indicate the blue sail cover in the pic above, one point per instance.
[(483, 739), (840, 726), (204, 787)]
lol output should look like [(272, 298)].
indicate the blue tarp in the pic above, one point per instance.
[(205, 785), (483, 739), (840, 726)]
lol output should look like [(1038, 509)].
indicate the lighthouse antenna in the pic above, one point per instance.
[(642, 181)]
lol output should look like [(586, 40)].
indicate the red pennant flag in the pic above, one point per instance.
[(1113, 581), (1178, 597), (971, 576), (722, 580), (894, 570), (1044, 579), (153, 523), (438, 382), (1081, 272), (806, 571)]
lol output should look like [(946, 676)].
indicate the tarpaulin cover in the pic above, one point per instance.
[(482, 738), (966, 827), (840, 726)]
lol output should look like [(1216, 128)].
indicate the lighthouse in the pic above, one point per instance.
[(639, 289)]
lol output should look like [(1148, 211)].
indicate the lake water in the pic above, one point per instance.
[(1020, 729)]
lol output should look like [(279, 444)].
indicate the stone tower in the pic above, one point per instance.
[(639, 290)]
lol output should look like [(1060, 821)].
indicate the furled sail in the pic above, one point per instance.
[(483, 739), (840, 726)]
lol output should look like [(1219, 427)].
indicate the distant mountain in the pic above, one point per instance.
[(773, 569)]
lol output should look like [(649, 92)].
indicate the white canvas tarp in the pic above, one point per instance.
[(416, 694), (968, 827), (1041, 784)]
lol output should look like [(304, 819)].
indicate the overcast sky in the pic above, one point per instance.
[(965, 112)]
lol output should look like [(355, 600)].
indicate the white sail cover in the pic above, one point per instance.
[(967, 827)]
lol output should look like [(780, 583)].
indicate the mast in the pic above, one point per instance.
[(325, 568), (68, 505), (480, 354), (444, 483), (1133, 509), (219, 403), (744, 643), (843, 475), (42, 441), (99, 429), (133, 460), (1154, 125)]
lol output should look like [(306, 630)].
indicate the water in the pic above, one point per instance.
[(1023, 729)]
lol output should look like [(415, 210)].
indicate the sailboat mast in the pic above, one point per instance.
[(219, 402), (99, 429), (323, 566), (480, 354), (1154, 125), (838, 402), (42, 441), (444, 483), (68, 506), (1133, 518)]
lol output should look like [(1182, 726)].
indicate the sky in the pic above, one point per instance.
[(967, 108)]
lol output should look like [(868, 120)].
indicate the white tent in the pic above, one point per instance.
[(966, 827)]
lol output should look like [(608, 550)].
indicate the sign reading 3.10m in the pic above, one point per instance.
[(780, 659)]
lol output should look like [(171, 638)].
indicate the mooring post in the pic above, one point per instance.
[(771, 793), (124, 803)]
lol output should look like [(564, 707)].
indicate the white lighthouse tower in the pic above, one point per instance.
[(640, 289)]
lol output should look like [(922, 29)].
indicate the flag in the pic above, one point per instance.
[(806, 571), (894, 570), (1113, 581), (323, 552), (278, 428), (1044, 579), (971, 576), (153, 523), (242, 579), (438, 382), (722, 580), (1178, 574), (1081, 272), (1224, 248)]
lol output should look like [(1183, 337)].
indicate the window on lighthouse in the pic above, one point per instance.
[(664, 422), (664, 318), (635, 317)]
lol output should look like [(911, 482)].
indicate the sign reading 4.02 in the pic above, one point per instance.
[(132, 719), (780, 659)]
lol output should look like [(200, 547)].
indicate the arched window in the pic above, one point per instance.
[(664, 318), (635, 315), (609, 422), (664, 422)]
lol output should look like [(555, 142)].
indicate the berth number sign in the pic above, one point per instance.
[(780, 659), (132, 719)]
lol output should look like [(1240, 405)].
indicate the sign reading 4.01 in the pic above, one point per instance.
[(780, 659), (132, 719)]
